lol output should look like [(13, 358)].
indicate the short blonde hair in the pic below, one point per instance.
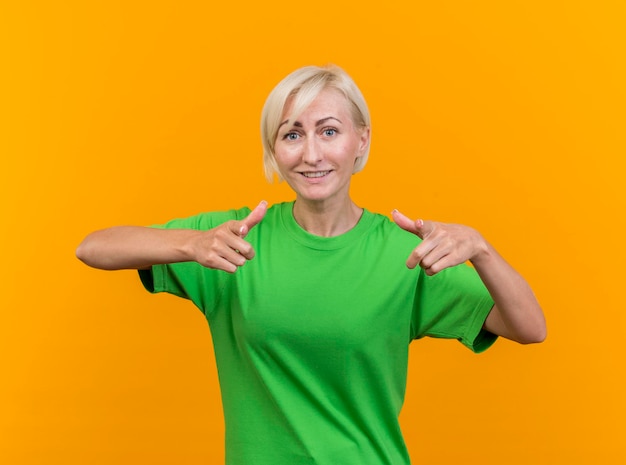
[(304, 85)]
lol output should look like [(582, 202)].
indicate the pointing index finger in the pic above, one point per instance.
[(408, 224)]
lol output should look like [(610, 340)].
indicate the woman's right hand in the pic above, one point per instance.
[(224, 247)]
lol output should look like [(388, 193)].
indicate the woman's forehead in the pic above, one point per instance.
[(328, 102)]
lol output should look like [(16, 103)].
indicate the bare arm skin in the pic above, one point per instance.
[(516, 314), (137, 247)]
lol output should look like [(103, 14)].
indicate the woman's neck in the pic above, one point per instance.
[(326, 219)]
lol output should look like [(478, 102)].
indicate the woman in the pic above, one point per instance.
[(311, 336)]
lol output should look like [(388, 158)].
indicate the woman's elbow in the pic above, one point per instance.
[(83, 252), (536, 336), (89, 252)]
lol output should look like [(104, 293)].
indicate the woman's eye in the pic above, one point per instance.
[(330, 132), (290, 136)]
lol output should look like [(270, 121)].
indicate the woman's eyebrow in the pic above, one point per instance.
[(323, 120), (298, 124)]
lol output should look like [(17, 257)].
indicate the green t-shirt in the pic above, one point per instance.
[(311, 336)]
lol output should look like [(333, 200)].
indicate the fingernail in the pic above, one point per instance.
[(419, 223)]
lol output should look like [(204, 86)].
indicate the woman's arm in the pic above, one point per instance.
[(516, 314), (136, 247)]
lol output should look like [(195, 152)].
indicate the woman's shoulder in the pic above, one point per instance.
[(387, 229), (384, 222), (210, 219)]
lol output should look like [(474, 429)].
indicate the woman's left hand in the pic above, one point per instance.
[(443, 245)]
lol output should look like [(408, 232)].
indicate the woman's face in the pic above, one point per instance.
[(316, 153)]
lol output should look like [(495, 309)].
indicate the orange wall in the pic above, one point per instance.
[(508, 116)]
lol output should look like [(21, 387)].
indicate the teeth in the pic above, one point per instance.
[(316, 174)]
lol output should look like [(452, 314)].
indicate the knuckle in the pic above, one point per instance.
[(210, 261), (221, 232)]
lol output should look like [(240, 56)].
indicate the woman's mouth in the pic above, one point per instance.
[(315, 174)]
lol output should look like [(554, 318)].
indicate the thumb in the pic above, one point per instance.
[(406, 223), (253, 218)]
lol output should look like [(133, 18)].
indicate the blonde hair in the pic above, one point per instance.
[(304, 85)]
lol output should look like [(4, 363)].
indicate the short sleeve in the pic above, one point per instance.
[(453, 304), (190, 280)]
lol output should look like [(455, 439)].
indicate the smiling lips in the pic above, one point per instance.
[(315, 174)]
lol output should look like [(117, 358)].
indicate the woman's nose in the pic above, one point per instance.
[(311, 152)]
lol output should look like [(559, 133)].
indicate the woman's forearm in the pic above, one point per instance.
[(134, 247), (516, 315)]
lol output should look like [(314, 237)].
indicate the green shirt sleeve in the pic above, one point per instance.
[(190, 280), (453, 304)]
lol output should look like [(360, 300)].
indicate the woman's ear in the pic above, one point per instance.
[(364, 140)]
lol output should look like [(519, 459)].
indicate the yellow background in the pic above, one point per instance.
[(508, 116)]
